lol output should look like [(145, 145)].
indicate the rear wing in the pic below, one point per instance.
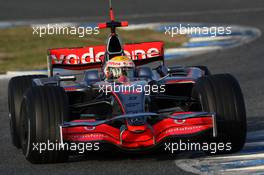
[(90, 57)]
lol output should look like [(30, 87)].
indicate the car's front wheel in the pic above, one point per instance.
[(43, 111), (221, 94), (16, 89)]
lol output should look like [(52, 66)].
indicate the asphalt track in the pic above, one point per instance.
[(246, 63)]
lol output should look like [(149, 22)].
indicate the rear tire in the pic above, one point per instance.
[(16, 89), (44, 108), (222, 94)]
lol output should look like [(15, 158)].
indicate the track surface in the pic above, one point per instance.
[(245, 62)]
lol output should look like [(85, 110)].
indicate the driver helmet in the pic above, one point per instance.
[(118, 67)]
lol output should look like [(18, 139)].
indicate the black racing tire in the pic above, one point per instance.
[(16, 89), (222, 94), (44, 108)]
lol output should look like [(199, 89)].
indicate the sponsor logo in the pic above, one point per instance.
[(90, 56), (138, 121)]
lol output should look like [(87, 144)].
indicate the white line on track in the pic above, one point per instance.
[(190, 50), (218, 38), (249, 161), (254, 144), (255, 168), (235, 157)]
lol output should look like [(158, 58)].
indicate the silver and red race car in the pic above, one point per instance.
[(157, 105)]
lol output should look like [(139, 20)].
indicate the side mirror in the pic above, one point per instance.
[(162, 70)]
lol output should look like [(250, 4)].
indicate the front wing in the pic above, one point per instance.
[(140, 136)]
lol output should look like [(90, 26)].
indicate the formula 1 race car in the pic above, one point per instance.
[(141, 112)]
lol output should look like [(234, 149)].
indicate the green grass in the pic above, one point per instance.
[(21, 50)]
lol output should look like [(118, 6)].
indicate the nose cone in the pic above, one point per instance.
[(132, 138)]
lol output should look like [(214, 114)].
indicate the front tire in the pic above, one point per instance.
[(43, 110), (222, 94), (16, 89)]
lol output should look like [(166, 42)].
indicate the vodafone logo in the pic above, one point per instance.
[(90, 55), (142, 54), (85, 58)]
